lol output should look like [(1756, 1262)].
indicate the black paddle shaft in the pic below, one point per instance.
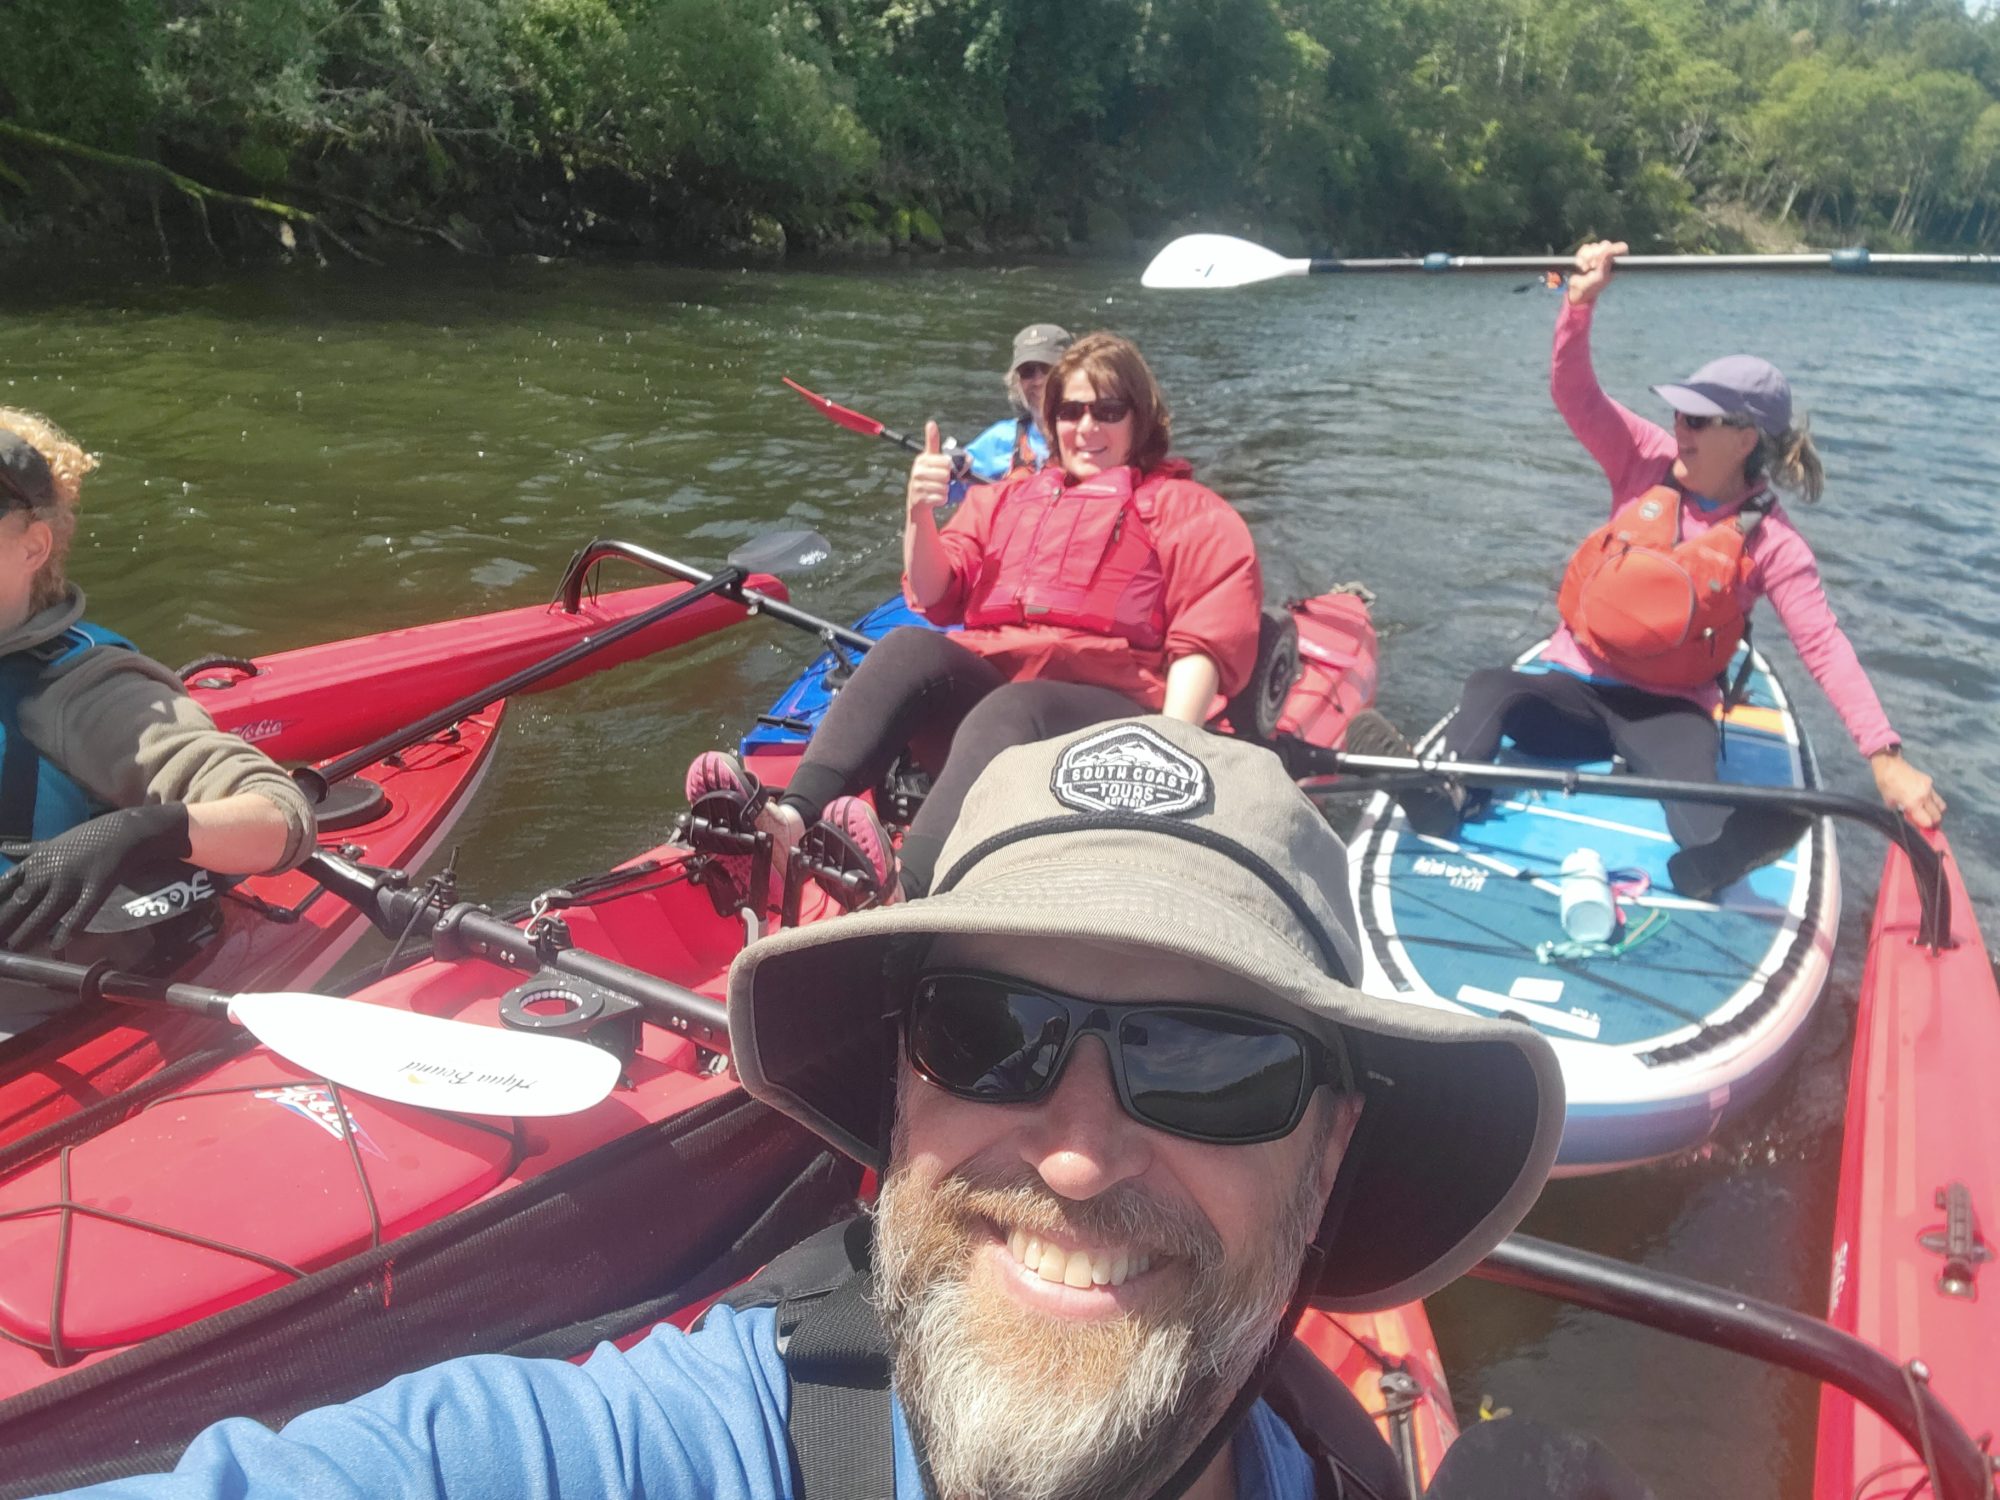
[(102, 982), (1762, 1330), (468, 931), (1392, 772), (726, 580), (758, 603)]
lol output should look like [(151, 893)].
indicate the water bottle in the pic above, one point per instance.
[(1589, 915)]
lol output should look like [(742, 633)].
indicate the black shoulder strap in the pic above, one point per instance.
[(1750, 515), (1350, 1459), (842, 1432), (797, 1279), (1748, 519), (20, 762), (1736, 690)]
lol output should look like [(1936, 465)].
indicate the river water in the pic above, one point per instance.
[(292, 458)]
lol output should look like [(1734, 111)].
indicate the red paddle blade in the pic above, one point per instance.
[(852, 420)]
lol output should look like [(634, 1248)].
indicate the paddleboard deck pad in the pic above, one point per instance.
[(1687, 1013)]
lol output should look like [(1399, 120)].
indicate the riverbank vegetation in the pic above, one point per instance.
[(685, 125)]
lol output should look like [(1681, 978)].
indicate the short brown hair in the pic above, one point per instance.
[(68, 463), (1116, 368)]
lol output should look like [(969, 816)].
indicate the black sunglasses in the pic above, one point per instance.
[(1108, 411), (1198, 1071), (1702, 424)]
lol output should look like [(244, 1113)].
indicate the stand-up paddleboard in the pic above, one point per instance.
[(1692, 1008), (1916, 1228)]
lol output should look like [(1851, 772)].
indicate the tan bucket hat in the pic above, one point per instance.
[(1159, 834)]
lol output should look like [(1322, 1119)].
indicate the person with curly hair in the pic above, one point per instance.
[(108, 769)]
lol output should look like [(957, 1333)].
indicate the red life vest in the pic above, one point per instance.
[(1662, 611), (1078, 554)]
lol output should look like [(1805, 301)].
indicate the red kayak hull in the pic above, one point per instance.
[(278, 932), (317, 701), (1923, 1137)]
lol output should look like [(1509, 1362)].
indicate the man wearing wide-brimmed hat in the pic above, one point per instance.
[(1130, 1113), (1130, 1107)]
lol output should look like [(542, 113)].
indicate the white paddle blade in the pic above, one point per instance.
[(414, 1059), (1216, 260)]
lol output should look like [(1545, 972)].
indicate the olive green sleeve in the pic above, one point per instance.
[(126, 731)]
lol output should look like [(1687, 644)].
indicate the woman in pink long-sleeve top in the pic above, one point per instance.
[(1620, 688)]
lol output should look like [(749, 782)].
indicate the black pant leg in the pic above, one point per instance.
[(1018, 714), (912, 679), (1666, 736), (1546, 713)]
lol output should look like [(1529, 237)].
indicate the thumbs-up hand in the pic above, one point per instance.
[(930, 475)]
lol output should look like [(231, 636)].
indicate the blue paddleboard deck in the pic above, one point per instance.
[(1690, 1009)]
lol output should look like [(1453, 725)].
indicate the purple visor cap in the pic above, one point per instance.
[(1736, 383)]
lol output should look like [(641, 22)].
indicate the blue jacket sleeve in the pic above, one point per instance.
[(992, 452), (700, 1416)]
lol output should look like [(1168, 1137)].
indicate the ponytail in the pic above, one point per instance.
[(1790, 461)]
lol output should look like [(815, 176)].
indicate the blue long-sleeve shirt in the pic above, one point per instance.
[(992, 452), (696, 1416)]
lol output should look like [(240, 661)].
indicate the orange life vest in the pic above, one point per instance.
[(1079, 555), (1661, 611)]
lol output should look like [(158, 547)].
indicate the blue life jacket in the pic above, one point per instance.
[(38, 799)]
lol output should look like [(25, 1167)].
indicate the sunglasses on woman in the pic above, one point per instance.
[(1702, 424), (1107, 411), (1202, 1072)]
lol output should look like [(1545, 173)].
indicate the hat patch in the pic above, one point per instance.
[(1130, 769)]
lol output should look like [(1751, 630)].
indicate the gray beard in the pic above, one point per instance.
[(1005, 1410)]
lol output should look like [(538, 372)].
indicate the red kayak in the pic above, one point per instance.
[(273, 932), (255, 1211), (283, 932), (304, 705), (1915, 1222)]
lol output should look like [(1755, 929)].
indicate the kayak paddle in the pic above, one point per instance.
[(1317, 770), (396, 1055), (766, 554), (854, 421), (758, 603), (1196, 261)]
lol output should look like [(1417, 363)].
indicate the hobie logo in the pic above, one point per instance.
[(170, 900), (315, 1102), (261, 729), (1130, 769)]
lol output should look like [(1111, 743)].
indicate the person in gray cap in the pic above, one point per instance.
[(1109, 582), (1130, 1115), (1655, 602), (1017, 442), (112, 772)]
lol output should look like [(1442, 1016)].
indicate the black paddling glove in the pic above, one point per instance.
[(62, 881)]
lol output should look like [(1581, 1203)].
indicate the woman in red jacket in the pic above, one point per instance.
[(1106, 584)]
